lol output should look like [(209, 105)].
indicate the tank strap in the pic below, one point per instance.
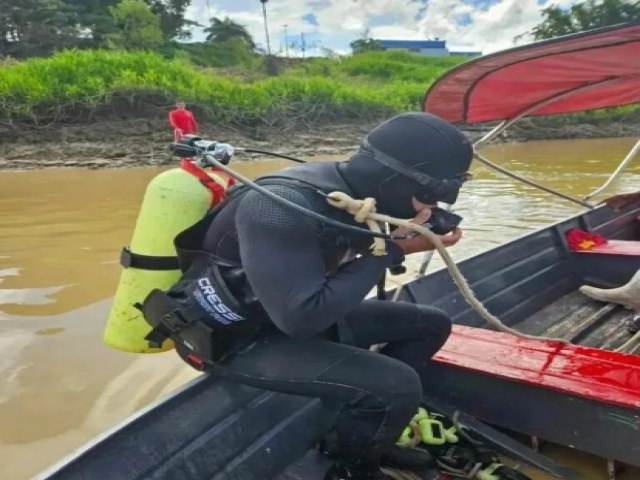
[(165, 316), (129, 259), (217, 190)]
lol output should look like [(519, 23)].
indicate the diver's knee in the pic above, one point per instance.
[(435, 321), (402, 383)]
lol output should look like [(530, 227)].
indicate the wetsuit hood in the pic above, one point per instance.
[(410, 155)]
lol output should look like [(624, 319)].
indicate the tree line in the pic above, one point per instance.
[(40, 27)]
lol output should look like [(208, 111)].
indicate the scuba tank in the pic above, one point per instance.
[(174, 200)]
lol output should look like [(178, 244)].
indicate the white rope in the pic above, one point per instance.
[(364, 212)]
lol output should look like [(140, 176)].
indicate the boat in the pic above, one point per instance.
[(582, 394)]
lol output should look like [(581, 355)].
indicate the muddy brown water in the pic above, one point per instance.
[(60, 236)]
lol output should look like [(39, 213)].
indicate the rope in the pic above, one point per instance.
[(630, 345), (364, 212)]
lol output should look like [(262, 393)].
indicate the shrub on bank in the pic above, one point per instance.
[(50, 89), (76, 86)]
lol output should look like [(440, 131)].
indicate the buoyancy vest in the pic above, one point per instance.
[(213, 302)]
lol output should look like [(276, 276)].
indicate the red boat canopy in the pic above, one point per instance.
[(595, 69)]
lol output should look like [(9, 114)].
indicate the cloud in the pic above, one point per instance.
[(486, 25)]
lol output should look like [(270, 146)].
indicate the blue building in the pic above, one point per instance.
[(430, 48)]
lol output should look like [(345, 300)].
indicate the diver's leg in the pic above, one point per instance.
[(378, 394), (412, 333)]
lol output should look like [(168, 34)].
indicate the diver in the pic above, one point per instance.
[(273, 298)]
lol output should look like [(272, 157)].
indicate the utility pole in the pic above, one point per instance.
[(286, 45), (303, 45), (266, 28)]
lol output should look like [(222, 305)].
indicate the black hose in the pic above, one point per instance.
[(263, 152), (289, 204)]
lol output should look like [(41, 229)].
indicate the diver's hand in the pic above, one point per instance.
[(421, 243)]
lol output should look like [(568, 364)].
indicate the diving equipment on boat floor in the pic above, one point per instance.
[(432, 440), (457, 451)]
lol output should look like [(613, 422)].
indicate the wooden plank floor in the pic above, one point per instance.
[(581, 320)]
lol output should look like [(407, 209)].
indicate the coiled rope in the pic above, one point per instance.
[(364, 211)]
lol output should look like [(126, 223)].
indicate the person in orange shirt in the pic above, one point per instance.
[(182, 121)]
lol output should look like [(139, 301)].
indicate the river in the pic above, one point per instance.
[(61, 231)]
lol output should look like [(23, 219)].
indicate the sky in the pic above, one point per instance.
[(479, 25)]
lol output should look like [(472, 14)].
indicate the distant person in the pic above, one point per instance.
[(182, 121)]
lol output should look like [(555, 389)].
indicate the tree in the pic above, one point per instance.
[(138, 26), (223, 30), (94, 19), (39, 27), (36, 27), (583, 16), (365, 43), (172, 21)]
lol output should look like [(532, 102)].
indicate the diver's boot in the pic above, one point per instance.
[(628, 295), (395, 457), (402, 458), (345, 470)]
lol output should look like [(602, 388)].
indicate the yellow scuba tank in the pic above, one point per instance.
[(174, 200)]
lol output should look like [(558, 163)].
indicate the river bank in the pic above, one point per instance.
[(144, 142), (134, 143)]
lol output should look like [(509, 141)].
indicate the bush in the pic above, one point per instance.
[(366, 86)]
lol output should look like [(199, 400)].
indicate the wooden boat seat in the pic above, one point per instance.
[(616, 247), (568, 394), (594, 374)]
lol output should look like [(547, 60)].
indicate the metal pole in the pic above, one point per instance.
[(303, 45), (506, 172), (286, 45), (425, 262), (266, 28), (428, 255), (625, 162)]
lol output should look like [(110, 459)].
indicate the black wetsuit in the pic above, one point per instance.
[(318, 329)]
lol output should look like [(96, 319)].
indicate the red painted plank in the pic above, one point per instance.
[(596, 374), (616, 247)]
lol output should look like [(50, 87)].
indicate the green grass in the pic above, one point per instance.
[(367, 86), (364, 86)]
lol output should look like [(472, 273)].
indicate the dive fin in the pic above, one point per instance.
[(500, 441)]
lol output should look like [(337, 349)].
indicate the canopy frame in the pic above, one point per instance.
[(502, 126)]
